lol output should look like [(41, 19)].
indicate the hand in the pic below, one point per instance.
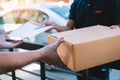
[(5, 44), (50, 55), (115, 27), (49, 23), (3, 36), (10, 44)]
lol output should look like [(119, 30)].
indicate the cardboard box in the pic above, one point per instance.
[(88, 47)]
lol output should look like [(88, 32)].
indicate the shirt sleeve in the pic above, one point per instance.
[(73, 11), (117, 12)]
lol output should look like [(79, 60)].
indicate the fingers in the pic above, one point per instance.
[(17, 42), (60, 64), (45, 22), (114, 27), (48, 23), (8, 32), (5, 34), (59, 41)]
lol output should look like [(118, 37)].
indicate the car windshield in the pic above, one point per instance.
[(22, 16), (63, 11)]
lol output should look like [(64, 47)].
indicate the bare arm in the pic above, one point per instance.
[(119, 25), (14, 60), (59, 28)]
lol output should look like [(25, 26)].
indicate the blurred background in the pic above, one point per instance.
[(6, 4), (14, 13)]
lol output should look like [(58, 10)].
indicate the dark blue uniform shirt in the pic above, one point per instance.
[(93, 12)]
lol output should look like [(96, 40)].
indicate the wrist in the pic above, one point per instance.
[(118, 25)]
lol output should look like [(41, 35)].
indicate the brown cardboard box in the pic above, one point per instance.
[(88, 47)]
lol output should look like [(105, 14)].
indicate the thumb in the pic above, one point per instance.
[(59, 41), (6, 33)]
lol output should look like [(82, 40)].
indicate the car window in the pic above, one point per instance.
[(22, 16), (63, 11)]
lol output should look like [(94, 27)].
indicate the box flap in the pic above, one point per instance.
[(87, 34)]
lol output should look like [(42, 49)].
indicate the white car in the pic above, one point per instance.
[(15, 17)]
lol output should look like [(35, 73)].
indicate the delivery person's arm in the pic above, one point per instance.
[(59, 28)]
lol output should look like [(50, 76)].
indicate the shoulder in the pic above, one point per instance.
[(117, 4), (79, 2), (117, 1)]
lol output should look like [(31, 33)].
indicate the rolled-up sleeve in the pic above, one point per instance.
[(72, 14)]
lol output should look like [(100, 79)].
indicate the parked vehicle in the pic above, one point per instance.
[(13, 18)]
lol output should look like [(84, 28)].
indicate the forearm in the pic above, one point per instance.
[(12, 61), (69, 26), (62, 28), (118, 25)]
